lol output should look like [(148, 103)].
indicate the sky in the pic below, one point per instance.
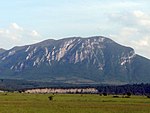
[(25, 22)]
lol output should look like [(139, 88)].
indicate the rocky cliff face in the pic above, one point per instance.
[(74, 60)]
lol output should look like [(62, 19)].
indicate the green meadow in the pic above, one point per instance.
[(72, 103)]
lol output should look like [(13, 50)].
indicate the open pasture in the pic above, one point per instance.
[(72, 103)]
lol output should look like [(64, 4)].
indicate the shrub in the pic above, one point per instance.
[(105, 94), (50, 98), (128, 94), (115, 96), (148, 96)]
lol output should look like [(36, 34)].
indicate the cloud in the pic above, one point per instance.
[(133, 29), (142, 46), (15, 26), (142, 18), (15, 35), (34, 33), (127, 31), (142, 42), (138, 13)]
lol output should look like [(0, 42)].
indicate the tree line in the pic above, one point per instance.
[(135, 89)]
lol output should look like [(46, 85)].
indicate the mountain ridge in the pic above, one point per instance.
[(75, 60)]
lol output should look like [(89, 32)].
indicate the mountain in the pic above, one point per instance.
[(2, 50), (76, 60)]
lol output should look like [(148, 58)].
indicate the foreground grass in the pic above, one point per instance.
[(70, 103)]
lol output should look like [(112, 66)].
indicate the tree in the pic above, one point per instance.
[(50, 98), (105, 94), (129, 94)]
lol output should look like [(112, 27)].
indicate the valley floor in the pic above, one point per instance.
[(71, 103)]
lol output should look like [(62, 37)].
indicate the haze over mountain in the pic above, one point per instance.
[(75, 60)]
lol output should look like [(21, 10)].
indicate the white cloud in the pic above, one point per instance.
[(15, 35), (34, 33), (15, 26), (133, 30), (127, 31), (138, 13), (144, 42), (142, 18), (142, 46)]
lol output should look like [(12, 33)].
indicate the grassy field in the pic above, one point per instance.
[(71, 103)]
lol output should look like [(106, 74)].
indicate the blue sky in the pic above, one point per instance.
[(28, 21)]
